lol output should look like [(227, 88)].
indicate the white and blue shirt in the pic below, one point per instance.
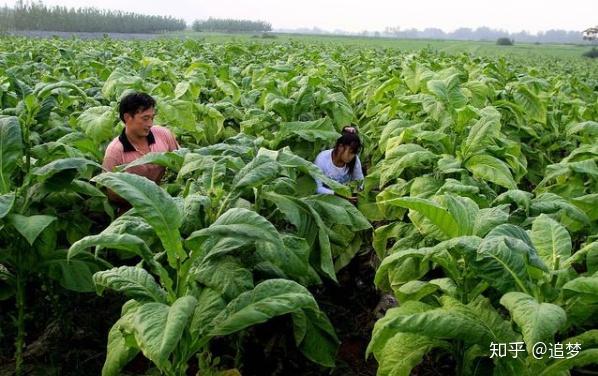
[(338, 174)]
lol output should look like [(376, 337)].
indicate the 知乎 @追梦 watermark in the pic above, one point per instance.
[(539, 350)]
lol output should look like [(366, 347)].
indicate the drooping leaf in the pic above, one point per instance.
[(438, 215), (119, 351), (403, 352), (11, 150), (30, 227), (153, 204), (74, 274), (552, 240), (135, 283), (55, 167), (243, 225), (539, 322), (158, 328), (6, 203), (268, 299), (315, 336), (125, 242)]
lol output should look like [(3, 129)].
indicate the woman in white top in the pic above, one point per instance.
[(341, 163)]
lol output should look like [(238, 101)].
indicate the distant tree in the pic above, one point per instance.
[(504, 41), (231, 25), (590, 34), (37, 16), (6, 19), (592, 54)]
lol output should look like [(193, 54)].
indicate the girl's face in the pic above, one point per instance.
[(345, 153)]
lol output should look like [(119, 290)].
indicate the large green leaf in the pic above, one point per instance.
[(539, 322), (6, 203), (177, 113), (135, 283), (268, 299), (492, 169), (315, 336), (533, 106), (227, 275), (243, 225), (415, 74), (209, 304), (99, 123), (311, 131), (336, 210), (158, 328), (153, 204), (55, 167), (119, 350), (562, 366), (75, 273), (30, 227), (489, 218), (433, 211), (290, 262), (384, 329), (256, 173), (125, 242), (448, 91), (11, 150), (504, 256), (289, 160), (583, 288), (173, 160), (464, 210), (453, 320), (403, 352), (338, 108), (552, 241), (589, 128), (483, 132), (119, 81)]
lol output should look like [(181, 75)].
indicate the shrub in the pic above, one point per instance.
[(505, 41), (592, 54)]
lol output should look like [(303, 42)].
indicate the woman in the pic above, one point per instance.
[(341, 163)]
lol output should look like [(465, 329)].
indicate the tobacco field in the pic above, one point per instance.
[(479, 212)]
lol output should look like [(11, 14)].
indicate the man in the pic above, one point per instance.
[(139, 137)]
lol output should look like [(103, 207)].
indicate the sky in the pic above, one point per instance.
[(359, 15)]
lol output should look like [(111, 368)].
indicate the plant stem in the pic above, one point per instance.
[(20, 341), (223, 205)]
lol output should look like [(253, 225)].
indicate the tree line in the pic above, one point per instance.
[(464, 33), (486, 33), (37, 16), (230, 25)]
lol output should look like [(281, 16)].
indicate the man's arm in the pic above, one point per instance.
[(171, 140)]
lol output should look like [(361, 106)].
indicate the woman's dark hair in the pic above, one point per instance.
[(353, 142), (134, 103)]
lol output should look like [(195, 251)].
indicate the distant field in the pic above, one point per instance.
[(452, 47), (482, 48)]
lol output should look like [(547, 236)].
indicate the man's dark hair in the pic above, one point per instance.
[(134, 103)]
